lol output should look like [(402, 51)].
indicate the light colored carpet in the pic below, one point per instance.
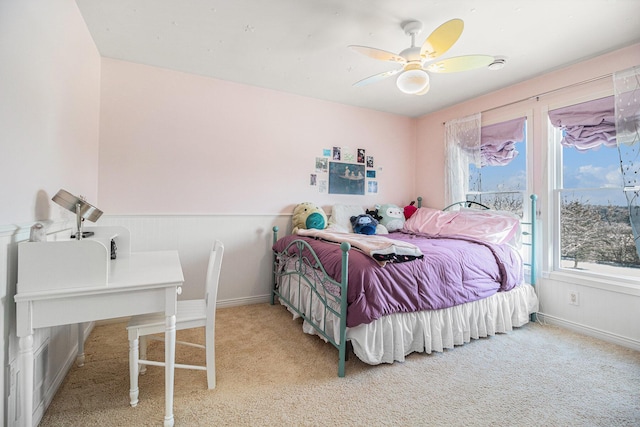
[(270, 373)]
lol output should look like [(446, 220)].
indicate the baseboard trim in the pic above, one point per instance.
[(234, 302), (589, 331)]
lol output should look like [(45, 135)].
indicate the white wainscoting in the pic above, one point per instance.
[(245, 279), (611, 314)]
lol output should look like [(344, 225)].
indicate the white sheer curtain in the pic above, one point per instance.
[(462, 148), (627, 117)]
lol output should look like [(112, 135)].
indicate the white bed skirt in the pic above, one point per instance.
[(393, 337)]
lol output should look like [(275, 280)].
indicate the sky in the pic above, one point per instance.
[(595, 169)]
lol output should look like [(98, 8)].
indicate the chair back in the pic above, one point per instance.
[(213, 277)]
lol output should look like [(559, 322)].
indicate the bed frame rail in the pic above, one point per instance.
[(306, 263), (531, 239)]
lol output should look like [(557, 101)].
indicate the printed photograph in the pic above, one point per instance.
[(369, 161), (322, 163), (336, 153)]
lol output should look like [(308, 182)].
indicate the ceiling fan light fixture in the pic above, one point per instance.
[(412, 81), (425, 90), (412, 77)]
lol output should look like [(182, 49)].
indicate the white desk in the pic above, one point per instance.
[(143, 282)]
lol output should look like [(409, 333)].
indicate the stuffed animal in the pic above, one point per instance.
[(392, 216), (374, 214), (364, 224), (308, 215), (410, 209)]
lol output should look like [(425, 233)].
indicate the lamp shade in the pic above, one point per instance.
[(80, 207), (413, 81), (73, 203)]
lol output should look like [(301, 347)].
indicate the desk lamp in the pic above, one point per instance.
[(80, 207)]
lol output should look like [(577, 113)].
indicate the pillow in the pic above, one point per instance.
[(428, 220), (340, 219), (487, 225)]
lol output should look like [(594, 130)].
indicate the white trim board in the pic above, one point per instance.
[(589, 331)]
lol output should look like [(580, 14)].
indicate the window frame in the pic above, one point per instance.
[(551, 263), (529, 152)]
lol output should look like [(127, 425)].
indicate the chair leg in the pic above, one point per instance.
[(133, 370), (210, 354), (143, 354)]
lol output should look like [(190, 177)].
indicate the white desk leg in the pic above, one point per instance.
[(26, 384), (170, 359), (80, 355), (133, 371)]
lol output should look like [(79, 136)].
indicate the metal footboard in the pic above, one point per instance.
[(299, 266)]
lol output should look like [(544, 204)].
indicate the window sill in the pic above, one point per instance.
[(609, 283)]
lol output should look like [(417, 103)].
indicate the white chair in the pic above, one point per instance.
[(190, 314)]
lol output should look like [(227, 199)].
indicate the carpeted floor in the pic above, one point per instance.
[(270, 373)]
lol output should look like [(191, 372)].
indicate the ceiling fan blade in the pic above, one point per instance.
[(376, 77), (379, 54), (460, 63), (441, 39)]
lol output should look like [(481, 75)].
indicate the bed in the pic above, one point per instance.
[(450, 285)]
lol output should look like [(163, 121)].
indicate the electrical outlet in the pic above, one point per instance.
[(574, 298)]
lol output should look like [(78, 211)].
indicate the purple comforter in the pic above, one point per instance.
[(454, 270)]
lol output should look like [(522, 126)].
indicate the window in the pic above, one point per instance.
[(500, 181), (590, 206)]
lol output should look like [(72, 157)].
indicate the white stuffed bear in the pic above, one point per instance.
[(392, 216)]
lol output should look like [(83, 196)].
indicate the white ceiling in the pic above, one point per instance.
[(300, 46)]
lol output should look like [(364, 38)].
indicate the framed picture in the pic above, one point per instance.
[(371, 174), (321, 164), (369, 161), (360, 155), (337, 155), (372, 187), (346, 178)]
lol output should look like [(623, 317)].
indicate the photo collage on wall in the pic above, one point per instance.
[(341, 171)]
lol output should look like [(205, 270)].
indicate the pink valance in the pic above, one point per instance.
[(587, 125), (498, 141)]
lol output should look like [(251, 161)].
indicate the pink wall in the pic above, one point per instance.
[(519, 99), (49, 108), (177, 143)]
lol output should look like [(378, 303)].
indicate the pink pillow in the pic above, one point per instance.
[(489, 226), (429, 221)]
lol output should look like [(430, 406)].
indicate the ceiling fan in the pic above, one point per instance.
[(416, 60)]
